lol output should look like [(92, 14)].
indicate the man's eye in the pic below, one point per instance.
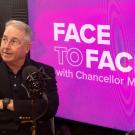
[(4, 39), (14, 41)]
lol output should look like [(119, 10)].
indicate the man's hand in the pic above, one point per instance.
[(1, 104), (10, 106)]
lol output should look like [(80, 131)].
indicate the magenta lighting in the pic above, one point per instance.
[(91, 44)]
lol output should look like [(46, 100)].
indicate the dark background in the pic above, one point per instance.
[(18, 9), (12, 9)]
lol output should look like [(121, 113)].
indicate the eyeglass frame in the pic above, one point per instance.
[(14, 42)]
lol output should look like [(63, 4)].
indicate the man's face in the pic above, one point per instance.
[(13, 45)]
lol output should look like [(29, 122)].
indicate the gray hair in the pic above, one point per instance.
[(21, 26)]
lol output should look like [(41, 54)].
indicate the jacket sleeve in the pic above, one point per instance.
[(46, 108)]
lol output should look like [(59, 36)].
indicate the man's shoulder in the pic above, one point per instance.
[(41, 65)]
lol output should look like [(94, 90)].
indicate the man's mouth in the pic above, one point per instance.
[(6, 53)]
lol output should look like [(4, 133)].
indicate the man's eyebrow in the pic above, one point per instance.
[(4, 36), (15, 38)]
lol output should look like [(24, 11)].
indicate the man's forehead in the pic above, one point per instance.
[(13, 32), (14, 29)]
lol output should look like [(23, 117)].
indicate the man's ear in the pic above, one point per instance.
[(28, 47)]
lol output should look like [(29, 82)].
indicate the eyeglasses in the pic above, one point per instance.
[(13, 42)]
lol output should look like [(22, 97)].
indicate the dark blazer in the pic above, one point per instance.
[(23, 106)]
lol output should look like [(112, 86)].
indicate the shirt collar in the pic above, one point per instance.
[(27, 62)]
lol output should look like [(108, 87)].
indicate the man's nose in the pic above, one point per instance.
[(7, 44)]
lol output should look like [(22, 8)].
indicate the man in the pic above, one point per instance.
[(16, 106)]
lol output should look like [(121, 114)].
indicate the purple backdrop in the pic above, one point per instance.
[(91, 45)]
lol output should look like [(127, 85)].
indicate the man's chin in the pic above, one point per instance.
[(7, 59)]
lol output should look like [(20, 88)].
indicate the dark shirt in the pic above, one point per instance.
[(15, 83), (11, 87)]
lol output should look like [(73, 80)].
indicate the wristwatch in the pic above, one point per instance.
[(5, 102)]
